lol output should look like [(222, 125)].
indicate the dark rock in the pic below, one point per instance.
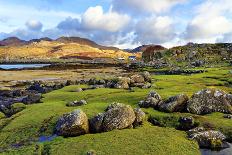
[(32, 98), (228, 116), (154, 121), (152, 100), (208, 101), (12, 109), (72, 124), (96, 123), (175, 104), (186, 123)]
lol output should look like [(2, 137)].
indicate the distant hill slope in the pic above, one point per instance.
[(12, 41), (141, 48), (191, 54), (64, 47)]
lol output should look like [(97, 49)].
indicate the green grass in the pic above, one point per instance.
[(25, 127)]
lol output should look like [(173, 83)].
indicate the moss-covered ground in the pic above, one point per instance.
[(20, 133)]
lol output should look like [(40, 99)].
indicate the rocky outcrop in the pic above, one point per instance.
[(210, 100), (175, 104), (208, 139), (151, 101), (72, 124)]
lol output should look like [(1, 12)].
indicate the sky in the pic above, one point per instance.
[(120, 23)]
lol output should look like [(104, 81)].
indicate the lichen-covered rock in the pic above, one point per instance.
[(147, 76), (118, 117), (123, 83), (210, 139), (175, 104), (210, 100), (96, 123), (152, 100), (137, 78), (72, 124), (140, 117)]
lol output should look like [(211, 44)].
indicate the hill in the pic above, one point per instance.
[(12, 41), (64, 47)]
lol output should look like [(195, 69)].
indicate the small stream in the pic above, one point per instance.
[(227, 151), (47, 138)]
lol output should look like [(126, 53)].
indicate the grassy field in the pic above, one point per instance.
[(19, 134)]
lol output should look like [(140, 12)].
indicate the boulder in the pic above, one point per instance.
[(76, 103), (32, 98), (140, 117), (72, 124), (209, 139), (186, 123), (123, 83), (137, 78), (175, 104), (210, 100), (152, 100), (147, 76), (79, 90), (118, 116), (96, 123)]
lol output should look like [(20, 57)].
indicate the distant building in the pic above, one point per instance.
[(121, 58), (132, 58)]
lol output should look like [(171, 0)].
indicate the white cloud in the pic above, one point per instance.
[(95, 19), (155, 30), (211, 21), (151, 6), (17, 15), (34, 25)]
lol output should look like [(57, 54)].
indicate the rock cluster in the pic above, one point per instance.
[(203, 102), (142, 80), (116, 116)]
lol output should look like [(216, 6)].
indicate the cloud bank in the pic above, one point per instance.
[(125, 23)]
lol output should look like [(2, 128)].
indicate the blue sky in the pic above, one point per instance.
[(121, 23)]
